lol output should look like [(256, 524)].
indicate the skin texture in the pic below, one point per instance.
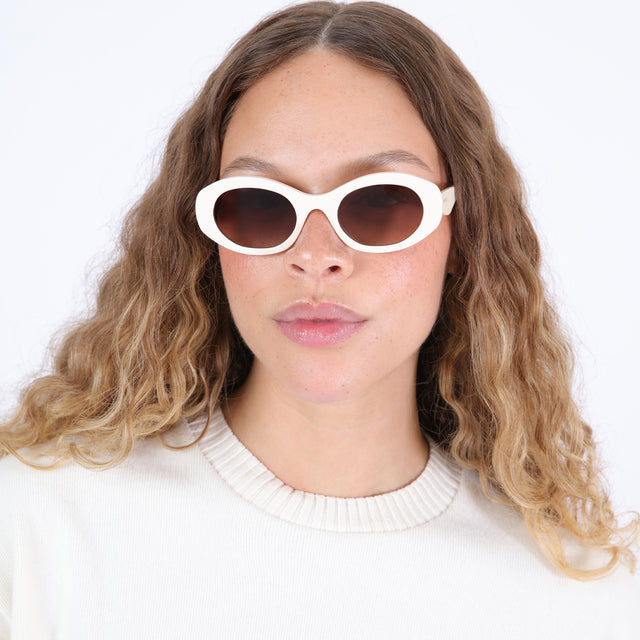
[(346, 414)]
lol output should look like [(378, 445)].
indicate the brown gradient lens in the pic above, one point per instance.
[(254, 218), (381, 214)]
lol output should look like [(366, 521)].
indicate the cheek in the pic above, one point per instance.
[(247, 279), (419, 271), (413, 282), (415, 289), (241, 275)]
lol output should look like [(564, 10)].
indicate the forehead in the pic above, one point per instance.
[(321, 111)]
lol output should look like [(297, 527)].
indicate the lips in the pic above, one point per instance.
[(321, 325), (304, 311)]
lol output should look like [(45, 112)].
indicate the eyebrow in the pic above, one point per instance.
[(360, 165), (246, 163), (386, 158)]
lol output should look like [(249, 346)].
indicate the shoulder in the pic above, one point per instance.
[(43, 508), (496, 538), (28, 490)]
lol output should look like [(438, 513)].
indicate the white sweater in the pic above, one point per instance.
[(208, 543)]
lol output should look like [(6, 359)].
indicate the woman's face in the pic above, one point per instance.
[(326, 322)]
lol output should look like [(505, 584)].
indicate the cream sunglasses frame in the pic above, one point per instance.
[(435, 204)]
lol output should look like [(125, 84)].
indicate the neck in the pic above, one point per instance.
[(358, 446)]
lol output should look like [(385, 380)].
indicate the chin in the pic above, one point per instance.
[(326, 389)]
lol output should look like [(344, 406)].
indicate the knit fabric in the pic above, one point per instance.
[(208, 543)]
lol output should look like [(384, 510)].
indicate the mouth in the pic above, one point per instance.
[(322, 325)]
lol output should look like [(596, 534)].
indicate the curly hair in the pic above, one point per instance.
[(494, 376)]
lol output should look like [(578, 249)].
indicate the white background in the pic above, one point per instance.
[(89, 92)]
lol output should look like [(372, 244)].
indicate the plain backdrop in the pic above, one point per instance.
[(89, 92)]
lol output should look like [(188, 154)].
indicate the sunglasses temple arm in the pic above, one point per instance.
[(448, 200)]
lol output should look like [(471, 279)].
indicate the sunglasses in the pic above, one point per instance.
[(375, 213)]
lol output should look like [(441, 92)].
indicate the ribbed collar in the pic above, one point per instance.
[(412, 505)]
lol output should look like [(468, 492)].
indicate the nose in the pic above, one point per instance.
[(318, 252)]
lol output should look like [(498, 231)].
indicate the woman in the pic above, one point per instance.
[(329, 311)]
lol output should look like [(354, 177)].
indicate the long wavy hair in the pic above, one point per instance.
[(494, 377)]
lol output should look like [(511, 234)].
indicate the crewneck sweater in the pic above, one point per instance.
[(207, 542)]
